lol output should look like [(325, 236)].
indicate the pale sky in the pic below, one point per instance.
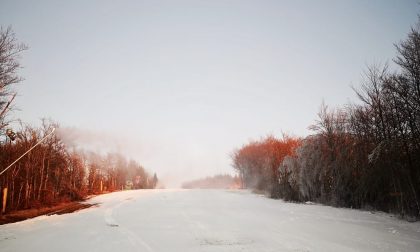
[(178, 85)]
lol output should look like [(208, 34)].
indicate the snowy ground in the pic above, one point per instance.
[(209, 220)]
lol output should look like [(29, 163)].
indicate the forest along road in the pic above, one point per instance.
[(209, 220)]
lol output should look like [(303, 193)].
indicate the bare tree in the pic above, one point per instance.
[(10, 50)]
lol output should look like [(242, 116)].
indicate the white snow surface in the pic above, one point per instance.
[(209, 220)]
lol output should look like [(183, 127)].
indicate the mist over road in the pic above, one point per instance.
[(209, 220)]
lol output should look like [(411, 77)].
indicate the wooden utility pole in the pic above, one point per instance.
[(3, 209)]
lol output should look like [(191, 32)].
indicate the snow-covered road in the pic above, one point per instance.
[(209, 220)]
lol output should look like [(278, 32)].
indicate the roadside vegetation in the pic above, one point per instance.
[(362, 155), (52, 173)]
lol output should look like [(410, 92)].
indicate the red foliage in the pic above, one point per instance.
[(258, 161)]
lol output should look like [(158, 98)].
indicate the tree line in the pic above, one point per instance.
[(220, 181), (361, 155), (52, 172)]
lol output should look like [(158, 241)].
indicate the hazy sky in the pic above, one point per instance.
[(179, 84)]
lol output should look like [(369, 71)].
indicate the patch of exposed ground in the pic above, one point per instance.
[(62, 208)]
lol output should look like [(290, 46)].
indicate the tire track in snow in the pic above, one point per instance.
[(134, 240), (208, 237)]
